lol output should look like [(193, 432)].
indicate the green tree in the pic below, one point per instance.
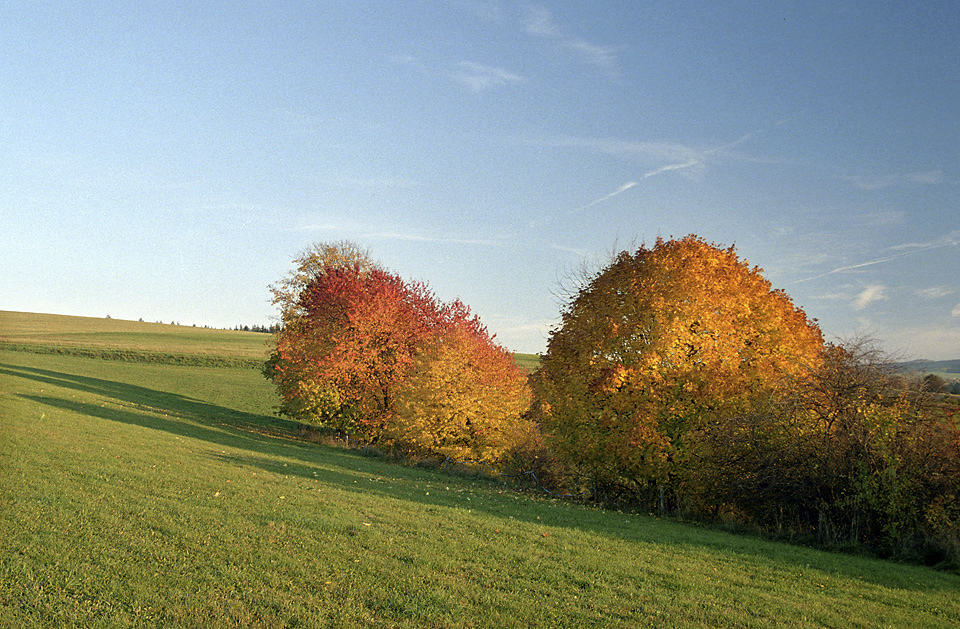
[(932, 383)]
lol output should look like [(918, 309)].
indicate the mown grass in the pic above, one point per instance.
[(161, 495), (527, 362), (64, 333), (138, 341)]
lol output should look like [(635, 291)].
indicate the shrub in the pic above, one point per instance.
[(841, 459), (658, 345)]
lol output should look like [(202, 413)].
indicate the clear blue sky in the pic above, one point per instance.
[(168, 161)]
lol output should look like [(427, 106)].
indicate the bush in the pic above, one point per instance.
[(658, 345), (842, 460), (533, 463)]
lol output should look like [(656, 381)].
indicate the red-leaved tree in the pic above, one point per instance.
[(339, 363)]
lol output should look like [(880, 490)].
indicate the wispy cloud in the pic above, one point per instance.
[(375, 182), (935, 292), (951, 239), (672, 152), (357, 230), (434, 239), (881, 217), (956, 311), (929, 177), (869, 295), (833, 296), (679, 166), (408, 60), (582, 253), (597, 201), (478, 77), (604, 57), (676, 155), (856, 266), (538, 22), (619, 190)]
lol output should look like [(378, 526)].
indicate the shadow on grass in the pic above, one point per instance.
[(265, 436), (182, 415), (374, 477)]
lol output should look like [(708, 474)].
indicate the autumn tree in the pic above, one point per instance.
[(657, 345), (358, 336), (313, 262), (843, 456), (465, 398), (339, 360)]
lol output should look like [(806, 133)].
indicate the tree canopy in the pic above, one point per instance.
[(660, 342), (364, 352), (465, 398), (313, 262)]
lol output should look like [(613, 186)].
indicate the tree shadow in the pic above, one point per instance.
[(263, 436), (352, 473), (153, 408)]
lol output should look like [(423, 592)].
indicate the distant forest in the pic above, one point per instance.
[(934, 376), (239, 328)]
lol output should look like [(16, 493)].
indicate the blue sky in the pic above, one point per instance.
[(169, 162)]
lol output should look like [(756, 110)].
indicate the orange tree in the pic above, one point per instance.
[(465, 398), (653, 350), (357, 336)]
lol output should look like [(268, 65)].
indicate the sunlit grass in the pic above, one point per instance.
[(527, 362), (158, 495), (47, 330), (167, 496)]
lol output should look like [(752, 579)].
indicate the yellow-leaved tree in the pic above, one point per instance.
[(658, 345), (465, 398)]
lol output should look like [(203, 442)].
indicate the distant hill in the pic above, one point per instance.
[(949, 367)]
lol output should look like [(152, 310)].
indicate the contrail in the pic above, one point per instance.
[(669, 167), (879, 261), (619, 190)]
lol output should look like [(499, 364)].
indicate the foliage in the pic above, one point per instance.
[(654, 347), (314, 262), (932, 383), (364, 345), (340, 362), (465, 399), (843, 457)]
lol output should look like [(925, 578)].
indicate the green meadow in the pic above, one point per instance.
[(138, 491)]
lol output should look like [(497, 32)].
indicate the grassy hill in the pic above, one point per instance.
[(161, 494), (138, 341), (946, 369)]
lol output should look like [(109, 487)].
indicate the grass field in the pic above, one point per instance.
[(158, 495), (138, 341)]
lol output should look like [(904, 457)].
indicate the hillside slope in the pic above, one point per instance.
[(162, 495)]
